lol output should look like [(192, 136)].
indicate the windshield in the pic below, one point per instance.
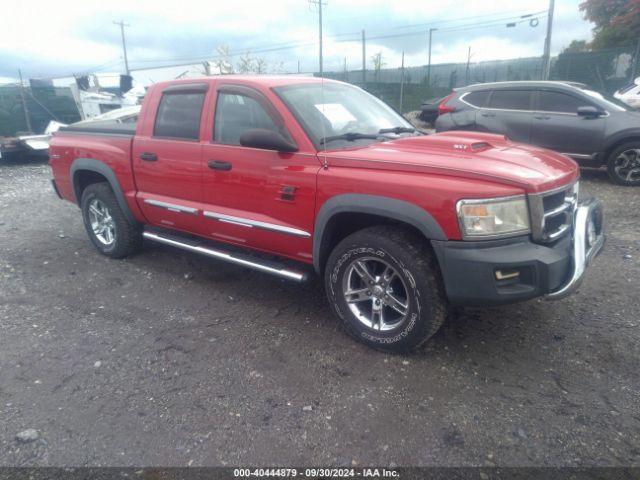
[(331, 110), (607, 101)]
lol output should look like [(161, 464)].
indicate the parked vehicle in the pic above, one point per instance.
[(591, 127), (327, 177), (630, 94), (429, 110)]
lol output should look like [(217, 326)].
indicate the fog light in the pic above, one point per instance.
[(591, 233), (506, 274)]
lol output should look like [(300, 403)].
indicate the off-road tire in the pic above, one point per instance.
[(414, 261), (611, 164), (128, 237)]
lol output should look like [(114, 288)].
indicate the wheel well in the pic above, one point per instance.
[(83, 178), (344, 224), (611, 148)]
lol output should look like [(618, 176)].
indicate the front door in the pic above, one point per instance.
[(259, 198), (167, 160), (556, 125)]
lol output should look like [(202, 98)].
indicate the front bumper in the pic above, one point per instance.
[(516, 269)]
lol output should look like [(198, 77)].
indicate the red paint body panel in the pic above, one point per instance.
[(432, 172)]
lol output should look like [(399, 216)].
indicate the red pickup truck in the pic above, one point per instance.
[(319, 173)]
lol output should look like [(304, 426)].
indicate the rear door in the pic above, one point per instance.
[(556, 124), (167, 158), (508, 112)]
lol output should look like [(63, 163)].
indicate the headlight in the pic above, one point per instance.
[(493, 217)]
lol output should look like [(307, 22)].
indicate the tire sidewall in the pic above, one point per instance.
[(611, 164), (88, 195), (404, 336)]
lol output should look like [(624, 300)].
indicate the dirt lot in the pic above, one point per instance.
[(171, 359)]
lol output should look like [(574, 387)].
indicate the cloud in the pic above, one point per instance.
[(51, 38)]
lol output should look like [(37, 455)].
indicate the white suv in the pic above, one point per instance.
[(630, 93)]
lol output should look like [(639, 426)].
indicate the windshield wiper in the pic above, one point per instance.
[(351, 136), (397, 130)]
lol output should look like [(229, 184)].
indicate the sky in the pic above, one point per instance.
[(46, 38)]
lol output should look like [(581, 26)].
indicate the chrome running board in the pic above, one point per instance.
[(238, 259)]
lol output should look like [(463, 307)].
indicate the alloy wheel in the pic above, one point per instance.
[(627, 165), (375, 293), (102, 222)]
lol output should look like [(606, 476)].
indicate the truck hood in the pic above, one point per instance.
[(465, 154)]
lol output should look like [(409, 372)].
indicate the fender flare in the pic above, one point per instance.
[(93, 165), (622, 136), (375, 205)]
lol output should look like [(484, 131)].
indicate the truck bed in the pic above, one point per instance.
[(104, 127)]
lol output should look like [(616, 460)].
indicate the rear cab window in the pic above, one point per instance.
[(510, 99), (178, 115)]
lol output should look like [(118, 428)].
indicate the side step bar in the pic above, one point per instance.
[(238, 259)]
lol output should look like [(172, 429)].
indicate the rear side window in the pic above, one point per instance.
[(511, 99), (559, 102), (477, 99), (179, 115), (236, 114)]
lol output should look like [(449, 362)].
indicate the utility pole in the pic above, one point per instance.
[(431, 30), (401, 82), (124, 43), (636, 59), (319, 4), (298, 66), (546, 58), (466, 75), (346, 73), (24, 103), (364, 60)]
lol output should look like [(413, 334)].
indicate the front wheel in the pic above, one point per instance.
[(623, 164), (384, 285)]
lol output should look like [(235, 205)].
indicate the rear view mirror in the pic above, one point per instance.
[(267, 140), (589, 111)]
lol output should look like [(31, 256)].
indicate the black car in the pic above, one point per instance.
[(429, 109), (593, 128)]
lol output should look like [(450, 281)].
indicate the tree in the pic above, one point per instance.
[(576, 46), (617, 22), (378, 63), (223, 64)]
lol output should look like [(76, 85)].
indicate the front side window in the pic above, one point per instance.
[(334, 109), (235, 114), (511, 99), (559, 102)]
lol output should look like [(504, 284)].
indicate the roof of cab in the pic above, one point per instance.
[(522, 83), (267, 81)]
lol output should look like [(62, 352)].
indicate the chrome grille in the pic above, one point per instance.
[(552, 213)]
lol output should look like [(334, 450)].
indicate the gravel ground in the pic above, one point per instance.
[(170, 359)]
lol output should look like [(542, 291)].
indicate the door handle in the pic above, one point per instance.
[(148, 157), (219, 165), (542, 117), (484, 114)]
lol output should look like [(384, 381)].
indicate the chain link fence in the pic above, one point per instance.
[(404, 89)]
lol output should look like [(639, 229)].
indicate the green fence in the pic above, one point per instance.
[(605, 70), (43, 104)]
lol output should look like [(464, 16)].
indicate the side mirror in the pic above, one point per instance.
[(589, 111), (267, 140)]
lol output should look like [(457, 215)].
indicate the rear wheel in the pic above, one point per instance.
[(623, 164), (384, 285), (106, 224)]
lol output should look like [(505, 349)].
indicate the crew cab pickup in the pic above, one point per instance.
[(324, 177)]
